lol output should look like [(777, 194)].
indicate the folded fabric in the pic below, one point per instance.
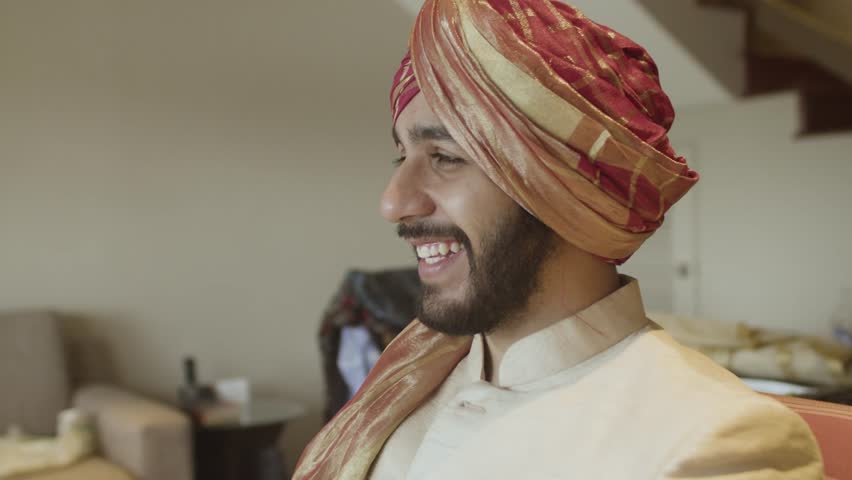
[(23, 454), (761, 353)]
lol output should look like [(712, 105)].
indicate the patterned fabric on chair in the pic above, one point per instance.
[(832, 427)]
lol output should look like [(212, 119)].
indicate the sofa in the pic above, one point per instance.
[(138, 438)]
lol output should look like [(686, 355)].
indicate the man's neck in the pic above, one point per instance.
[(570, 282)]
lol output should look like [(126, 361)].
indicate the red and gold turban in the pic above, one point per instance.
[(569, 119), (566, 116)]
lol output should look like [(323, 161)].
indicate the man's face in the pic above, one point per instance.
[(479, 252)]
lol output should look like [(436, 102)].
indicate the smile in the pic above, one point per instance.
[(433, 253)]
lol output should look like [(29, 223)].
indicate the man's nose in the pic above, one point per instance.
[(404, 198)]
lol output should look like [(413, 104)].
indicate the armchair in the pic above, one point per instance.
[(139, 439)]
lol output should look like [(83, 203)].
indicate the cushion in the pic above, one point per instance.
[(91, 469)]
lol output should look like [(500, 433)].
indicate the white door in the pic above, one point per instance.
[(666, 265), (684, 254)]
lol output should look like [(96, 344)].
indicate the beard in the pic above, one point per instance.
[(502, 276)]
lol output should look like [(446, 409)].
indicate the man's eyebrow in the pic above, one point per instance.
[(423, 133)]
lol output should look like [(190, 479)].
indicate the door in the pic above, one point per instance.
[(666, 265)]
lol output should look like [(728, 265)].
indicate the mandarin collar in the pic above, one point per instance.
[(567, 342)]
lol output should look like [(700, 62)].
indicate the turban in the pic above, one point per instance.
[(566, 116)]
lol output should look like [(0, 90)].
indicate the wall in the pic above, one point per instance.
[(195, 178), (774, 214)]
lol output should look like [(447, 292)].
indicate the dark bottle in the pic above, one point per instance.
[(192, 396), (189, 394)]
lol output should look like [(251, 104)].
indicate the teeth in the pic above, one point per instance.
[(438, 250), (433, 260)]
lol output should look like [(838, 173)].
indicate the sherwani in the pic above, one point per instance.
[(604, 394)]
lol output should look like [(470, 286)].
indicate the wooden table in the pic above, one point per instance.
[(246, 449)]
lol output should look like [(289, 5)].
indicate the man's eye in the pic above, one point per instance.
[(446, 160), (398, 161)]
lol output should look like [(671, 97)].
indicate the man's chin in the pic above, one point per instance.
[(444, 296), (446, 326), (448, 316)]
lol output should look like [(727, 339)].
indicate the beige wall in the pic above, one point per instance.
[(195, 178), (769, 228), (774, 214)]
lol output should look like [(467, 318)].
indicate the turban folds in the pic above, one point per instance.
[(565, 115), (568, 118)]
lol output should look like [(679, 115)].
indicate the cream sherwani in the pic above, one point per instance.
[(604, 394)]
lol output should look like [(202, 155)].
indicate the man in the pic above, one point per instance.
[(533, 159)]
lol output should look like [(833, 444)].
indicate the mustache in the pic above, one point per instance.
[(409, 231)]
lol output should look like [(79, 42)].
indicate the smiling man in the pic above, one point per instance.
[(444, 204), (534, 159)]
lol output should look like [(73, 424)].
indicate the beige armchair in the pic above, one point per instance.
[(139, 439)]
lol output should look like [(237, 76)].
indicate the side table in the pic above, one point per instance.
[(246, 449)]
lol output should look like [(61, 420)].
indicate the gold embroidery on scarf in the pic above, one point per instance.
[(359, 465), (396, 104), (403, 80), (561, 22), (512, 17), (548, 110), (584, 82), (607, 69), (522, 19), (637, 170), (563, 25), (598, 145), (399, 90), (403, 85), (615, 80), (662, 190), (624, 241), (620, 60), (646, 69)]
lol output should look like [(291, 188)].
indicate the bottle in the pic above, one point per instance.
[(189, 393)]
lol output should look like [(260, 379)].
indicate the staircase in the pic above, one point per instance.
[(755, 47)]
